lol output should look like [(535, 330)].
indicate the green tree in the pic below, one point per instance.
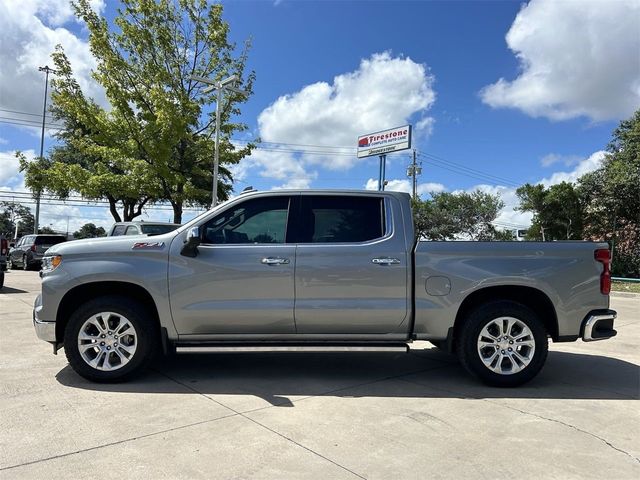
[(12, 213), (155, 142), (89, 230), (557, 211), (447, 216), (611, 198), (46, 230)]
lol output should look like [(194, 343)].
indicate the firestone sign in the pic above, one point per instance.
[(386, 141)]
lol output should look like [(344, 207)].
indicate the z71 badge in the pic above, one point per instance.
[(148, 245)]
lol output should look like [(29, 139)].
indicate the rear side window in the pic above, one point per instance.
[(49, 239), (345, 219), (118, 230)]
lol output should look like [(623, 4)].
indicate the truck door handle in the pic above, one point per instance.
[(274, 261), (385, 261)]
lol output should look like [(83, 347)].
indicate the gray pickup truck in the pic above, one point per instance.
[(318, 271)]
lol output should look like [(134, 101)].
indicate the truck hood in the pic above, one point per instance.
[(99, 246)]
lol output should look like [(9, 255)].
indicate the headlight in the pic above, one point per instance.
[(50, 263)]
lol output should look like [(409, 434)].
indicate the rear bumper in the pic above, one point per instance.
[(598, 325)]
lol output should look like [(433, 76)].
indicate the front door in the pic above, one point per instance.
[(242, 280)]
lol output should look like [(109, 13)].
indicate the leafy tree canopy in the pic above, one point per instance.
[(89, 230), (12, 213), (557, 211), (155, 142), (449, 216)]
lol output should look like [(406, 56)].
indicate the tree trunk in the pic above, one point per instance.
[(113, 208), (178, 204), (177, 212)]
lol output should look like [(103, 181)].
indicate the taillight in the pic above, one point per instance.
[(33, 247), (4, 245), (603, 255)]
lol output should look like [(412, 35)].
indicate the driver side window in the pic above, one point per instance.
[(260, 220)]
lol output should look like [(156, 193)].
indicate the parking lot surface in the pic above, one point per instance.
[(281, 416)]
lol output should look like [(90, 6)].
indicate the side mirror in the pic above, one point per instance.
[(190, 248)]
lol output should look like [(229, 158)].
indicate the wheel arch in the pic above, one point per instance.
[(530, 297), (90, 291)]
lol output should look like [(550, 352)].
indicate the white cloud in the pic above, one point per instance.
[(384, 92), (587, 165), (576, 59), (424, 127), (284, 167), (10, 175), (29, 32), (405, 186), (553, 158)]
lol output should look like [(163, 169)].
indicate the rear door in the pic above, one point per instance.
[(351, 266)]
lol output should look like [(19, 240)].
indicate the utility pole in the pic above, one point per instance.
[(413, 171), (47, 71), (221, 87)]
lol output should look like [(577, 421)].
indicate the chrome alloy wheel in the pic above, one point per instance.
[(506, 345), (107, 341)]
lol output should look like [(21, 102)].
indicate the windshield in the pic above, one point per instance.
[(158, 229)]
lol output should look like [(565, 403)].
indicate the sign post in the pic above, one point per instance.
[(383, 142), (383, 167)]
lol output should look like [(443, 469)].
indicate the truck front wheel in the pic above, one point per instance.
[(110, 339), (503, 343)]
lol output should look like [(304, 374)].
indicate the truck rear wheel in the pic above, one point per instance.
[(503, 343), (110, 339)]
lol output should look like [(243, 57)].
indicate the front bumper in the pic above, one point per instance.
[(44, 330), (598, 325)]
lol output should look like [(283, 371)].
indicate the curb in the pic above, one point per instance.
[(625, 294)]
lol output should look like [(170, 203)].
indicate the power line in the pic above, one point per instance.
[(466, 171), (24, 113), (319, 150)]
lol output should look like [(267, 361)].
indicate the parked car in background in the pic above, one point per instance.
[(28, 251), (4, 249), (141, 228)]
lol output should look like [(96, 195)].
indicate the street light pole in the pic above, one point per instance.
[(216, 151), (46, 70), (220, 87)]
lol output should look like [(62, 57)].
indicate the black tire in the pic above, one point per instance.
[(467, 343), (1, 279), (147, 338)]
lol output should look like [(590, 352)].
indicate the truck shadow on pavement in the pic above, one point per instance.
[(275, 377), (6, 289)]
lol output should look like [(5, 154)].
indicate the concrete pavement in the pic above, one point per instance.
[(416, 415)]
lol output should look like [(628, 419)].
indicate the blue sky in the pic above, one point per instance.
[(437, 65)]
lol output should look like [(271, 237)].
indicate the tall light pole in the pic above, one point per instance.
[(47, 71), (220, 87)]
